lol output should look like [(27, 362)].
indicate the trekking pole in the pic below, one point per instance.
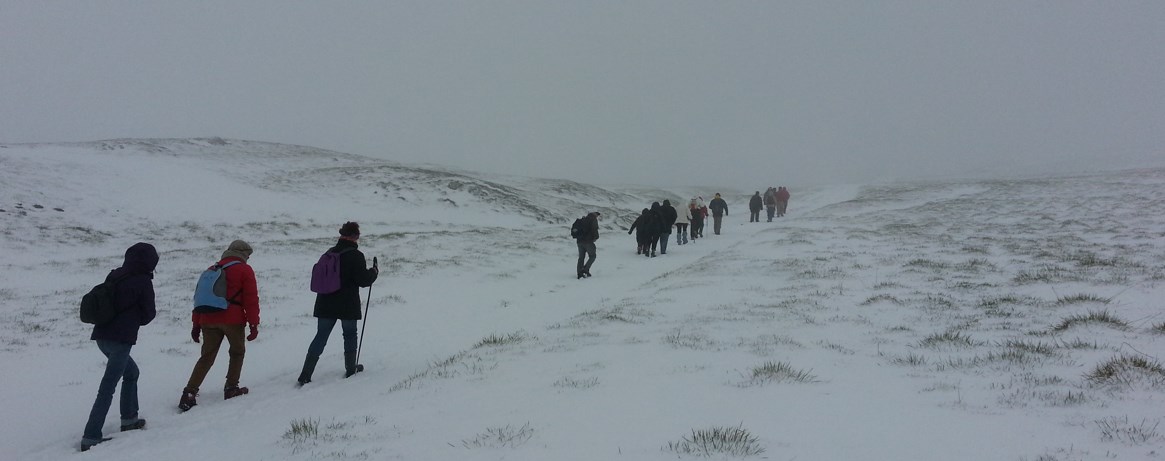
[(367, 302)]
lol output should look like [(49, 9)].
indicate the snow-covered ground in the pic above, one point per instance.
[(961, 320)]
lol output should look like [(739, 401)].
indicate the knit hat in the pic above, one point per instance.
[(717, 195), (350, 229), (239, 249)]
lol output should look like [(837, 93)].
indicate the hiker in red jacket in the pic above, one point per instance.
[(782, 200), (242, 293)]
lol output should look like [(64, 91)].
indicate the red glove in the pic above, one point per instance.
[(254, 333), (194, 332)]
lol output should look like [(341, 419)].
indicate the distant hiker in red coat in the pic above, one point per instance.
[(782, 200), (242, 294), (697, 219)]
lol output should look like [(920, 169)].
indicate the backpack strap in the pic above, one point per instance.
[(232, 299)]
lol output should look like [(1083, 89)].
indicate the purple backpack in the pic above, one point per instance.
[(325, 274)]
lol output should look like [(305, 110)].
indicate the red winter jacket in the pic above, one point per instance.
[(243, 294)]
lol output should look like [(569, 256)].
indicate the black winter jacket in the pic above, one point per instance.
[(133, 295), (718, 206), (668, 213), (344, 304)]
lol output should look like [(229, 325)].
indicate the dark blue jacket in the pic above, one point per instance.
[(134, 295)]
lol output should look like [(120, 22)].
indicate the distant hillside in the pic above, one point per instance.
[(83, 194)]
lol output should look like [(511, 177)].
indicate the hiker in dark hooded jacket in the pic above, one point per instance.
[(343, 305), (587, 250), (134, 297), (668, 215), (754, 206), (654, 225), (642, 231)]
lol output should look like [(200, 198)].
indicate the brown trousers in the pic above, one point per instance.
[(212, 336)]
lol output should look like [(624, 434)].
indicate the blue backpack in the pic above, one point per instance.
[(210, 293)]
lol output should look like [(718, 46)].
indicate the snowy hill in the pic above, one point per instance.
[(960, 320)]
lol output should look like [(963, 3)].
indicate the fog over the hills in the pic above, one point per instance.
[(645, 92)]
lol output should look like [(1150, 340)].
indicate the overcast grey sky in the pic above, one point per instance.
[(747, 93)]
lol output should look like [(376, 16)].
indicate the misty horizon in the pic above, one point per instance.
[(650, 92)]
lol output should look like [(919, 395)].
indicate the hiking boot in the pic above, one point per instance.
[(309, 367), (587, 273), (87, 444), (350, 365), (359, 368), (139, 424), (188, 400), (232, 392)]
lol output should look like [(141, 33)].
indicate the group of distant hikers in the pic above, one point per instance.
[(653, 226), (226, 302), (775, 202)]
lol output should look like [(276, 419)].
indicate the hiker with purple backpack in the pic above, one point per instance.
[(336, 280)]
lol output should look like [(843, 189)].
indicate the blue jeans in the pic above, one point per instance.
[(119, 366), (324, 329)]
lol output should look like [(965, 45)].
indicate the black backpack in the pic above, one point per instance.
[(576, 230), (98, 306)]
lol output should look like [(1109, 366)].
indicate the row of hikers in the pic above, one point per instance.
[(236, 321), (775, 202), (132, 300), (653, 226)]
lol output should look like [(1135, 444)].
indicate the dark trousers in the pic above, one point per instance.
[(585, 249), (681, 233), (324, 329), (754, 216), (772, 209), (716, 224), (663, 238)]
